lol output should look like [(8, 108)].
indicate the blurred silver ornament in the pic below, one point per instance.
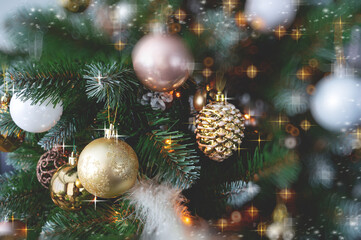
[(321, 171), (266, 15), (292, 100), (157, 100), (336, 102)]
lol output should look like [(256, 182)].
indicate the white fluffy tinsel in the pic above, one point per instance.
[(160, 207)]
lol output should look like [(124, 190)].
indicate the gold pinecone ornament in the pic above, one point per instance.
[(219, 129)]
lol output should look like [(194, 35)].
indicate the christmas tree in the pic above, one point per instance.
[(181, 119)]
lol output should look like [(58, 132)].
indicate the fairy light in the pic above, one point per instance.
[(261, 228), (197, 28), (252, 211), (178, 94)]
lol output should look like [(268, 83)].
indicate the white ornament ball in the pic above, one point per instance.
[(34, 118), (336, 102), (266, 15)]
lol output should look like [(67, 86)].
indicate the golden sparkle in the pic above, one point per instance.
[(222, 223), (241, 19), (304, 73), (306, 125), (286, 194), (281, 120), (197, 28), (296, 34), (260, 140), (280, 31), (207, 72), (252, 71), (119, 45), (261, 228), (229, 5), (180, 14), (178, 94), (252, 211)]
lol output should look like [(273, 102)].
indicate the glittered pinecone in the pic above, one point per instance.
[(219, 130)]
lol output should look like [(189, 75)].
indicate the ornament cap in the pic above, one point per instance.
[(220, 97), (73, 159), (110, 132)]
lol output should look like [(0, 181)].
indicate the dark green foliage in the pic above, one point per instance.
[(170, 156), (111, 83)]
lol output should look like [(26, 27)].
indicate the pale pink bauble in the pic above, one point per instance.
[(162, 62)]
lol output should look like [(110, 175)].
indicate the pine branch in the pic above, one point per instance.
[(110, 82), (107, 220), (170, 156), (25, 158)]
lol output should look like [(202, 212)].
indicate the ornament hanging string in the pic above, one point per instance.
[(4, 67), (338, 43), (116, 110)]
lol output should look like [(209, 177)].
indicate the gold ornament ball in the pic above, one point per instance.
[(75, 6), (219, 130), (108, 167), (10, 143), (200, 99), (64, 190)]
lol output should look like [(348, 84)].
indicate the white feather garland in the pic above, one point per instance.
[(160, 207)]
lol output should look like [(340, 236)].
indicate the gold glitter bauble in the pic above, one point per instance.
[(108, 167), (219, 130), (64, 190), (10, 143), (75, 6)]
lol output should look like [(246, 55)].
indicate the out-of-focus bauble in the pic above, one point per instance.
[(64, 190), (266, 15), (336, 102), (113, 19), (219, 130), (48, 163), (200, 99), (75, 6), (10, 143), (13, 230), (162, 62), (108, 167), (34, 118)]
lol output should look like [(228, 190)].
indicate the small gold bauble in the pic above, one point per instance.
[(75, 6), (200, 99), (10, 143), (108, 167), (78, 184), (64, 190), (219, 129)]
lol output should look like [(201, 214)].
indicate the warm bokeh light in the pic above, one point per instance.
[(178, 94), (280, 31), (236, 216), (252, 211), (208, 62), (168, 141), (305, 125), (197, 28), (180, 14), (296, 34), (261, 228), (286, 194), (241, 19), (247, 116), (119, 45), (252, 71), (207, 72), (304, 73)]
